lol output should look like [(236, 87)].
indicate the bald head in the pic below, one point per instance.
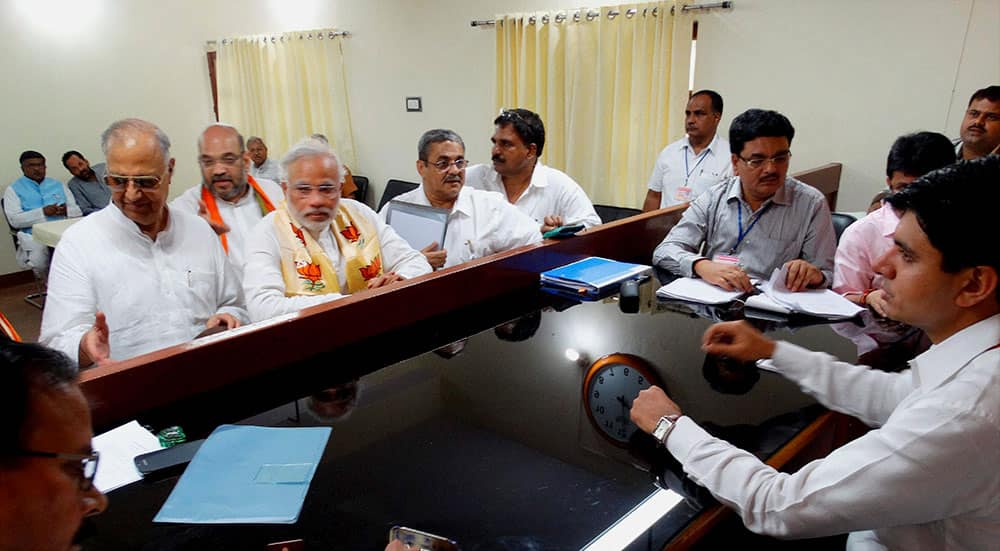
[(224, 162)]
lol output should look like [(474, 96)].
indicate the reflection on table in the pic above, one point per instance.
[(489, 442)]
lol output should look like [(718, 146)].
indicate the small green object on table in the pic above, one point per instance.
[(171, 436)]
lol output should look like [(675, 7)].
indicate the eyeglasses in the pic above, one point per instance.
[(443, 165), (778, 160), (227, 160), (145, 183), (509, 115), (326, 190), (84, 465)]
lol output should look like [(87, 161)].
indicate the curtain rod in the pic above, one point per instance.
[(303, 35), (591, 15)]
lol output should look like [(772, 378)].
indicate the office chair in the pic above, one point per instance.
[(840, 222), (394, 188), (610, 213), (362, 193), (36, 299)]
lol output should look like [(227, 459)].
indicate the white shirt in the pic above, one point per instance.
[(481, 223), (241, 216), (549, 192), (265, 287), (680, 176), (25, 219), (155, 294), (927, 478), (269, 170)]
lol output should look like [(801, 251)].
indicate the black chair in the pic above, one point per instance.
[(394, 188), (609, 213), (36, 299), (362, 193), (840, 222)]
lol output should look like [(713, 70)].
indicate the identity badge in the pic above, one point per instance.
[(726, 259), (683, 193)]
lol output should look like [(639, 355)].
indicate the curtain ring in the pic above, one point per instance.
[(656, 11), (592, 15), (545, 19), (310, 36), (560, 17), (319, 36), (531, 20), (630, 13), (576, 17), (612, 14)]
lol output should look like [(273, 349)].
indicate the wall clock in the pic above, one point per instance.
[(609, 386)]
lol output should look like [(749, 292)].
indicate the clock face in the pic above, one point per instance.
[(609, 388)]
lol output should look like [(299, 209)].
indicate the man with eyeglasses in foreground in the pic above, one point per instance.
[(316, 247), (47, 465), (137, 276), (926, 477), (481, 223), (229, 198), (759, 220), (547, 195)]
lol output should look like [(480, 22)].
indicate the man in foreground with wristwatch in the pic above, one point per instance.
[(925, 477)]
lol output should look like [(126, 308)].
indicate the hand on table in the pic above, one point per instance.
[(802, 275), (387, 278), (552, 222), (728, 276), (738, 340), (649, 406), (435, 257)]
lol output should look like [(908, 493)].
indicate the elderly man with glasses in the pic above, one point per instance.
[(547, 195), (137, 276), (480, 223), (229, 198), (759, 220), (47, 465), (316, 247)]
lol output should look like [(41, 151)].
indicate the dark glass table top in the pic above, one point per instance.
[(489, 442)]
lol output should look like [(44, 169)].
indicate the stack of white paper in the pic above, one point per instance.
[(696, 290), (816, 302), (118, 448)]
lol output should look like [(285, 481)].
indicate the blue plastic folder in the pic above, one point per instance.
[(245, 474), (592, 276)]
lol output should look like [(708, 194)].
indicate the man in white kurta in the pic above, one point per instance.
[(136, 276), (547, 195), (231, 200), (314, 209), (262, 167), (926, 476), (480, 223)]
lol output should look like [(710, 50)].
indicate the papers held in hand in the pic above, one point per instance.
[(774, 297), (419, 225), (592, 276)]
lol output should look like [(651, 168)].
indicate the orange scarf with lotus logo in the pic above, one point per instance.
[(307, 269)]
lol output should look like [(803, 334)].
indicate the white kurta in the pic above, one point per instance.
[(926, 478), (680, 176), (550, 192), (270, 170), (480, 224), (264, 285), (241, 216), (155, 294)]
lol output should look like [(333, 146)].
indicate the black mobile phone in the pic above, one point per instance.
[(167, 461), (423, 541)]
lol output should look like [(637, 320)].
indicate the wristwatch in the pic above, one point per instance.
[(664, 427)]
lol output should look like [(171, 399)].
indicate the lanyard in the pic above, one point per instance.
[(739, 219), (687, 173)]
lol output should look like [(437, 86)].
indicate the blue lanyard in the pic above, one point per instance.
[(687, 173), (739, 219)]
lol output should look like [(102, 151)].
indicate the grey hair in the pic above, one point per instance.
[(253, 139), (307, 149), (239, 137), (434, 136), (120, 128)]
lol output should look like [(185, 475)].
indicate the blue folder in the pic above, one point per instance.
[(245, 474), (592, 275)]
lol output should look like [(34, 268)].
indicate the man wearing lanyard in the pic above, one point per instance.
[(694, 163), (757, 221)]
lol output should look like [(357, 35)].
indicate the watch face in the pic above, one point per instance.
[(611, 385)]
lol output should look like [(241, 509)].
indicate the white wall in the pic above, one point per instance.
[(851, 75)]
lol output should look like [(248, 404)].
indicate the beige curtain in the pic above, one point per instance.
[(285, 87), (601, 86)]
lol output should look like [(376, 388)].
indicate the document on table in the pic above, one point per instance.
[(697, 290), (419, 225), (245, 474), (118, 448), (817, 302)]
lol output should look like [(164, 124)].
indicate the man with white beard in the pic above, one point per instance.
[(316, 247)]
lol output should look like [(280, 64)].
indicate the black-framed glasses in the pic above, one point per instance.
[(228, 160), (146, 183), (84, 464), (326, 190), (778, 160), (444, 165)]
